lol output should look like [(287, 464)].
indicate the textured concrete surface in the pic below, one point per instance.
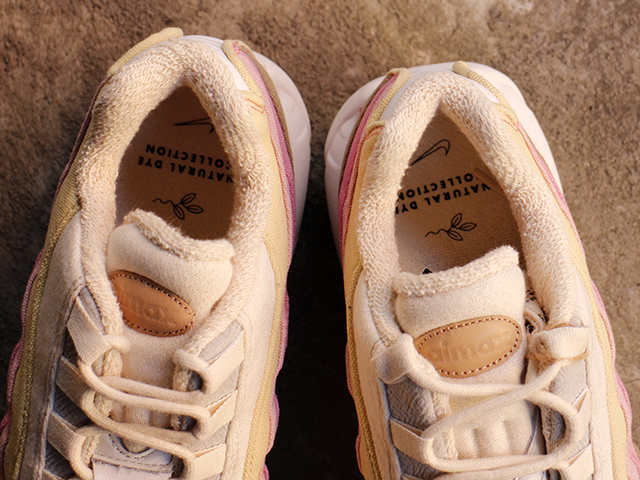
[(577, 64)]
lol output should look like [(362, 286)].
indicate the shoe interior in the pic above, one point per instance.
[(177, 168), (450, 209)]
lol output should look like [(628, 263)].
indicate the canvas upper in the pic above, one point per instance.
[(155, 320), (478, 347)]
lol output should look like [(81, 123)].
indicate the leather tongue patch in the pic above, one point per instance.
[(150, 308), (471, 347)]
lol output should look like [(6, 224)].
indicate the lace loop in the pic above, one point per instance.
[(148, 403), (393, 363), (558, 343), (85, 387)]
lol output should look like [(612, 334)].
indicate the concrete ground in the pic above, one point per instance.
[(577, 64)]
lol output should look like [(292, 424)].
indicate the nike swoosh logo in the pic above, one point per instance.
[(441, 145), (197, 121)]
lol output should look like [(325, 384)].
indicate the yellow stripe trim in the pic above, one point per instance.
[(617, 423), (276, 239), (352, 272), (352, 269), (64, 209)]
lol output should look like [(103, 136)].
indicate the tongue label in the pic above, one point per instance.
[(150, 308), (471, 347)]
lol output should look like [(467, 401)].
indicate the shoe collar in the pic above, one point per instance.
[(544, 241)]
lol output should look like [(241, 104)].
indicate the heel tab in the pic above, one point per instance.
[(166, 34), (461, 68)]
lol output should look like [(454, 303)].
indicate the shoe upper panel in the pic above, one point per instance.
[(606, 413), (603, 423), (373, 389), (598, 368), (257, 320), (59, 299)]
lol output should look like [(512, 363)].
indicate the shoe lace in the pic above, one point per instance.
[(560, 346), (94, 393)]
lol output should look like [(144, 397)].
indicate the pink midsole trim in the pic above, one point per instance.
[(278, 141), (633, 461), (351, 167), (286, 174)]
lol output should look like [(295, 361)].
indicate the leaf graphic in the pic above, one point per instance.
[(466, 227), (454, 235), (194, 208), (455, 221), (178, 212), (188, 198)]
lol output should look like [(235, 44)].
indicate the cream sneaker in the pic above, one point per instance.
[(478, 346), (155, 320)]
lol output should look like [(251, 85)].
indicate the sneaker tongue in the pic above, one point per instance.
[(166, 285), (468, 321), (153, 267)]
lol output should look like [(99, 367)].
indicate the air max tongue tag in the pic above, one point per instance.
[(470, 347), (468, 320), (150, 308)]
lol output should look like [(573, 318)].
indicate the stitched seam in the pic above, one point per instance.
[(129, 467), (169, 294), (473, 322), (374, 132), (255, 105), (508, 120), (128, 454), (156, 332)]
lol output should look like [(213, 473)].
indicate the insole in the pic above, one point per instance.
[(450, 210), (177, 168)]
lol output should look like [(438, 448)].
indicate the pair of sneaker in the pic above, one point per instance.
[(155, 320)]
